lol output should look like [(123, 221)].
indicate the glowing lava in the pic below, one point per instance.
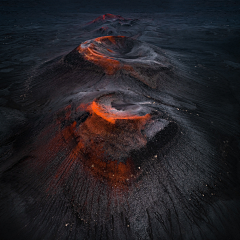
[(111, 115), (105, 140), (137, 59), (102, 52)]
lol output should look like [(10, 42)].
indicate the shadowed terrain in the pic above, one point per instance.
[(117, 127)]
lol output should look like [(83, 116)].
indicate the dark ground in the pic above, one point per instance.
[(185, 182)]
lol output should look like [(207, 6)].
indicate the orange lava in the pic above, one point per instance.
[(108, 63), (111, 116), (111, 39), (104, 137), (105, 57), (101, 145)]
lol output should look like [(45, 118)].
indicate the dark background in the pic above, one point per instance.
[(204, 36)]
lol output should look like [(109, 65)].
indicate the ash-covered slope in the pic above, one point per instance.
[(117, 142), (110, 25)]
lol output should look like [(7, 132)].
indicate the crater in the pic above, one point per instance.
[(136, 58), (117, 137)]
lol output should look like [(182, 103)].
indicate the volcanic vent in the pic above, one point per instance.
[(140, 60)]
